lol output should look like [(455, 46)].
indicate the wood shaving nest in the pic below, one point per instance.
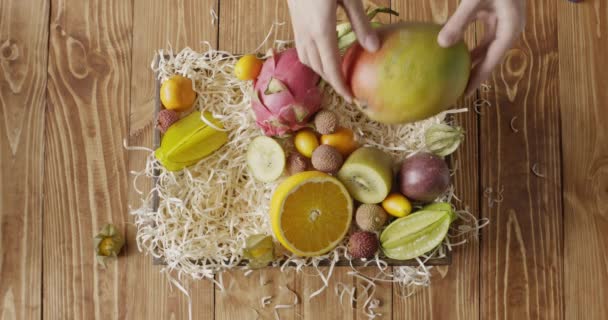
[(207, 211)]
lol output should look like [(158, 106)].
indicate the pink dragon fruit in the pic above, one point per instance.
[(285, 94)]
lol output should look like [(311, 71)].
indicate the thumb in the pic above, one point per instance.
[(453, 30), (366, 36)]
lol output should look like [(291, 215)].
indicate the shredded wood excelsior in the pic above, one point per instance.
[(489, 193), (214, 17), (512, 124), (480, 103), (536, 172)]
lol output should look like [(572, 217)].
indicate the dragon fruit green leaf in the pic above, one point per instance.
[(275, 86)]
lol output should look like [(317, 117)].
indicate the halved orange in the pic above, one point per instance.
[(310, 213)]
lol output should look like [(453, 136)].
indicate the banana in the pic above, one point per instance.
[(265, 159), (345, 33)]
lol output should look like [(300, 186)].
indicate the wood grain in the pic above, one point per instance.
[(66, 143), (85, 182), (160, 24), (242, 295), (326, 305), (383, 292), (461, 279), (245, 24), (583, 43), (522, 248), (23, 65)]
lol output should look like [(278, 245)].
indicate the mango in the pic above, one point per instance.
[(410, 77)]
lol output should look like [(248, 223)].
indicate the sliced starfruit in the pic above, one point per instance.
[(346, 34), (189, 140), (413, 235), (444, 206), (422, 243)]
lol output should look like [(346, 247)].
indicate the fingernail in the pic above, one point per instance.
[(372, 43), (444, 40)]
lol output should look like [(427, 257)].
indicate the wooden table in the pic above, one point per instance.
[(75, 81)]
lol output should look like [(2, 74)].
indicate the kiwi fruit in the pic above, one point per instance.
[(367, 174)]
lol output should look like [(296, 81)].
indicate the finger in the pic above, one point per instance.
[(367, 37), (489, 35), (312, 52), (301, 50), (453, 30), (479, 52), (330, 58), (303, 56), (496, 51)]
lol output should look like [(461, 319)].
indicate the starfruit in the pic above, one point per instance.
[(189, 140), (442, 206), (259, 250), (108, 243), (414, 235), (442, 139), (345, 33)]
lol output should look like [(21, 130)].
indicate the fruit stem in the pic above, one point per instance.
[(371, 14)]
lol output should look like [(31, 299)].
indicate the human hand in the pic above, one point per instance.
[(314, 25), (504, 21)]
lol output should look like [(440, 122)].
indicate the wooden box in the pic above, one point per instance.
[(447, 260)]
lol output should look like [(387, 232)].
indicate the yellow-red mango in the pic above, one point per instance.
[(410, 77)]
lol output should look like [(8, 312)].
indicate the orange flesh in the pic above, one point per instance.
[(311, 221)]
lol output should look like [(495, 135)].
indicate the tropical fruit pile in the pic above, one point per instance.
[(332, 189), (336, 187)]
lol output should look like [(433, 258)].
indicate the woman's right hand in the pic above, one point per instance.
[(314, 26)]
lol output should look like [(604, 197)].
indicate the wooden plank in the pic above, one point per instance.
[(383, 292), (461, 279), (243, 27), (242, 295), (583, 36), (85, 182), (245, 24), (326, 305), (23, 65), (522, 248), (158, 24)]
